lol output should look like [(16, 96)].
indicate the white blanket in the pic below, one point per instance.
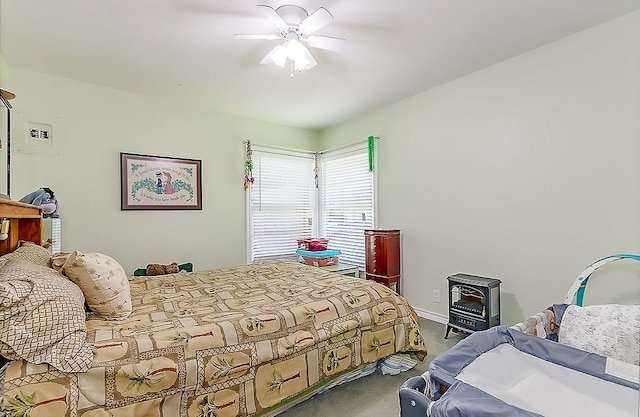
[(542, 387)]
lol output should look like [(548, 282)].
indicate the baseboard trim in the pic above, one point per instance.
[(429, 315)]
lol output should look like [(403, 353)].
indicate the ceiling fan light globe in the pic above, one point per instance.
[(295, 50), (278, 56), (301, 64)]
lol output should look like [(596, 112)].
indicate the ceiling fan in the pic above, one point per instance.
[(296, 27)]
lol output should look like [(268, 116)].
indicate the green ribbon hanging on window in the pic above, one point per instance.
[(371, 147)]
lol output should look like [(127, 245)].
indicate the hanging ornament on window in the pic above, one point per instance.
[(372, 143), (248, 165)]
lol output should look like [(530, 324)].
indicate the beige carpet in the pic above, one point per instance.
[(375, 395)]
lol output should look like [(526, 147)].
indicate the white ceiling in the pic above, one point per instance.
[(184, 50)]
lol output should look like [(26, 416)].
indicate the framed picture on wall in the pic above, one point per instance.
[(160, 183)]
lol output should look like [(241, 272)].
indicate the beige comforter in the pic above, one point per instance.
[(228, 342)]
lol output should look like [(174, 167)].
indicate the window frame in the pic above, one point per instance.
[(338, 153), (317, 217)]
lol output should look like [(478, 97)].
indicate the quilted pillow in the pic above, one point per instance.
[(610, 330), (42, 318), (29, 252), (102, 280)]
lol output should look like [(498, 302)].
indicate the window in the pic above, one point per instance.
[(347, 201), (285, 205), (282, 203)]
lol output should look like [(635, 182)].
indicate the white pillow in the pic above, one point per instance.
[(102, 280), (610, 330)]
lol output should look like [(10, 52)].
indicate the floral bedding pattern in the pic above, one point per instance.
[(611, 330), (228, 342)]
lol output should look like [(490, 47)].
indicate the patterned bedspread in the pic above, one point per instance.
[(228, 342)]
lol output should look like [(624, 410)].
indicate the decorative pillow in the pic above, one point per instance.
[(42, 318), (610, 330), (102, 280), (29, 252)]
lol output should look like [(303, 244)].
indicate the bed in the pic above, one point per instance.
[(238, 341), (569, 359)]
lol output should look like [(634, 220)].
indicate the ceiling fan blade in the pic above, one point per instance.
[(267, 37), (316, 20), (273, 16), (326, 42)]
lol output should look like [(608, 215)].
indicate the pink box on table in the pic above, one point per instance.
[(313, 244), (318, 244)]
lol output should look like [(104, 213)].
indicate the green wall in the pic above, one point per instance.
[(526, 171), (91, 125)]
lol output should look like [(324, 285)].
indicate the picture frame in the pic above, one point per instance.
[(151, 182)]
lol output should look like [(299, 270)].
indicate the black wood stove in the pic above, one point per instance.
[(474, 303)]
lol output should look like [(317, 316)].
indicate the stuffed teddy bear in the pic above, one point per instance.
[(158, 269), (155, 269), (172, 268)]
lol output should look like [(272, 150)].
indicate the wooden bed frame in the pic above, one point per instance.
[(25, 224)]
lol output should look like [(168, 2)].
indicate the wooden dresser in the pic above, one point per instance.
[(382, 254), (25, 223)]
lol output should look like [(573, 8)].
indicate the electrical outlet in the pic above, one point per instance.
[(436, 296)]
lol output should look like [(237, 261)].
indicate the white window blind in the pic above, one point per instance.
[(52, 229), (347, 202), (282, 203)]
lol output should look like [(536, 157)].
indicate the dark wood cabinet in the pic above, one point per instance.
[(382, 253)]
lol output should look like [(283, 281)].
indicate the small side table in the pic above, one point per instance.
[(343, 269)]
